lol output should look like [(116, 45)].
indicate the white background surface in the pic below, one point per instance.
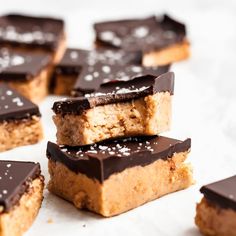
[(204, 109)]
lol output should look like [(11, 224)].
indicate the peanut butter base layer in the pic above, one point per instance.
[(36, 89), (20, 132), (20, 218), (58, 54), (168, 55), (149, 115), (213, 220), (64, 84), (121, 191)]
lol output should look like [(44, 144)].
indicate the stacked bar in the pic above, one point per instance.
[(112, 177), (140, 106), (108, 158)]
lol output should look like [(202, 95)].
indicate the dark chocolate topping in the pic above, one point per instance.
[(140, 34), (92, 77), (103, 159), (74, 59), (118, 91), (30, 31), (21, 66), (15, 178), (222, 193), (14, 106)]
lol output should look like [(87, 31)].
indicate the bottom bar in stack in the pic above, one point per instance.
[(115, 176)]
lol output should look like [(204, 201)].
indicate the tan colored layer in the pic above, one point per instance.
[(36, 89), (64, 84), (122, 191), (20, 218), (168, 55), (60, 50), (19, 133), (215, 221), (144, 116)]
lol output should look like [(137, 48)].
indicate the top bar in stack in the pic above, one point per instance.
[(162, 40), (26, 33), (141, 106)]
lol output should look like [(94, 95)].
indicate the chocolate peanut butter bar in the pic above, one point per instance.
[(161, 39), (21, 195), (27, 33), (28, 73), (92, 78), (70, 66), (141, 106), (216, 213), (19, 120), (113, 177)]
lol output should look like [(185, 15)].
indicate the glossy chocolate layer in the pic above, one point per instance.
[(222, 193), (146, 34), (13, 106), (15, 178), (31, 31), (118, 91), (93, 77), (21, 66), (74, 59), (103, 159)]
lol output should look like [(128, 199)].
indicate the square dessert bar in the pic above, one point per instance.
[(92, 78), (19, 120), (141, 106), (70, 66), (113, 177), (161, 39), (21, 195), (28, 73), (33, 34), (216, 213)]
